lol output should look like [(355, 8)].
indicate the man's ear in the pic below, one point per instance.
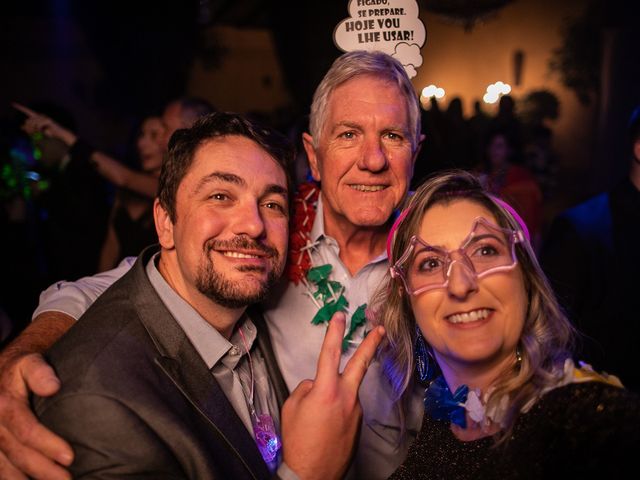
[(164, 225), (307, 141), (636, 150)]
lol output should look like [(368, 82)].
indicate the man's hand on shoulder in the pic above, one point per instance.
[(27, 448)]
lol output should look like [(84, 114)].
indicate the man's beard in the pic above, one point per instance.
[(228, 293)]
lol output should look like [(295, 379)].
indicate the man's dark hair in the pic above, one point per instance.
[(185, 142)]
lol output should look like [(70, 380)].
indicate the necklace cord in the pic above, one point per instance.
[(246, 347)]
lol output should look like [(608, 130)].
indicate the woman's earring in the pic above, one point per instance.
[(425, 364), (518, 357)]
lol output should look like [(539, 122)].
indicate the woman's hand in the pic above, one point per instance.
[(40, 123)]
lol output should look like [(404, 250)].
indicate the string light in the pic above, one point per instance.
[(431, 91), (495, 91)]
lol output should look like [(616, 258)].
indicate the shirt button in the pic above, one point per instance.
[(234, 351)]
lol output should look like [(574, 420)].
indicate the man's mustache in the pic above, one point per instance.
[(241, 243)]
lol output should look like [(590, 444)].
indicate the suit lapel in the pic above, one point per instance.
[(186, 369), (194, 380)]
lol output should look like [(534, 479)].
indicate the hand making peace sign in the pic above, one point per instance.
[(321, 418)]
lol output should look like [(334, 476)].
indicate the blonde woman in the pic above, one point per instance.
[(469, 309)]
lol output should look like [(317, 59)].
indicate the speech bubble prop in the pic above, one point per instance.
[(391, 26)]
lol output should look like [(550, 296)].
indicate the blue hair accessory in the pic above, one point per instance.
[(442, 405)]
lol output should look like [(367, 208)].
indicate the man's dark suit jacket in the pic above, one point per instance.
[(138, 401)]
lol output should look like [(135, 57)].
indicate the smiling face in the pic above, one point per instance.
[(228, 242), (472, 322), (364, 157)]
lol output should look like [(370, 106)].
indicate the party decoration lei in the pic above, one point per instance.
[(326, 294)]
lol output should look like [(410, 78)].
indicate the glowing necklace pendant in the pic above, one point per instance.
[(266, 437)]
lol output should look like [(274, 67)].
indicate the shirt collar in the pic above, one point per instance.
[(208, 342), (317, 230)]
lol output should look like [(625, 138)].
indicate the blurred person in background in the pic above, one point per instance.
[(592, 258), (73, 210), (131, 222), (503, 174), (178, 113)]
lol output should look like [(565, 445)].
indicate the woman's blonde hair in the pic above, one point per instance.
[(547, 336)]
